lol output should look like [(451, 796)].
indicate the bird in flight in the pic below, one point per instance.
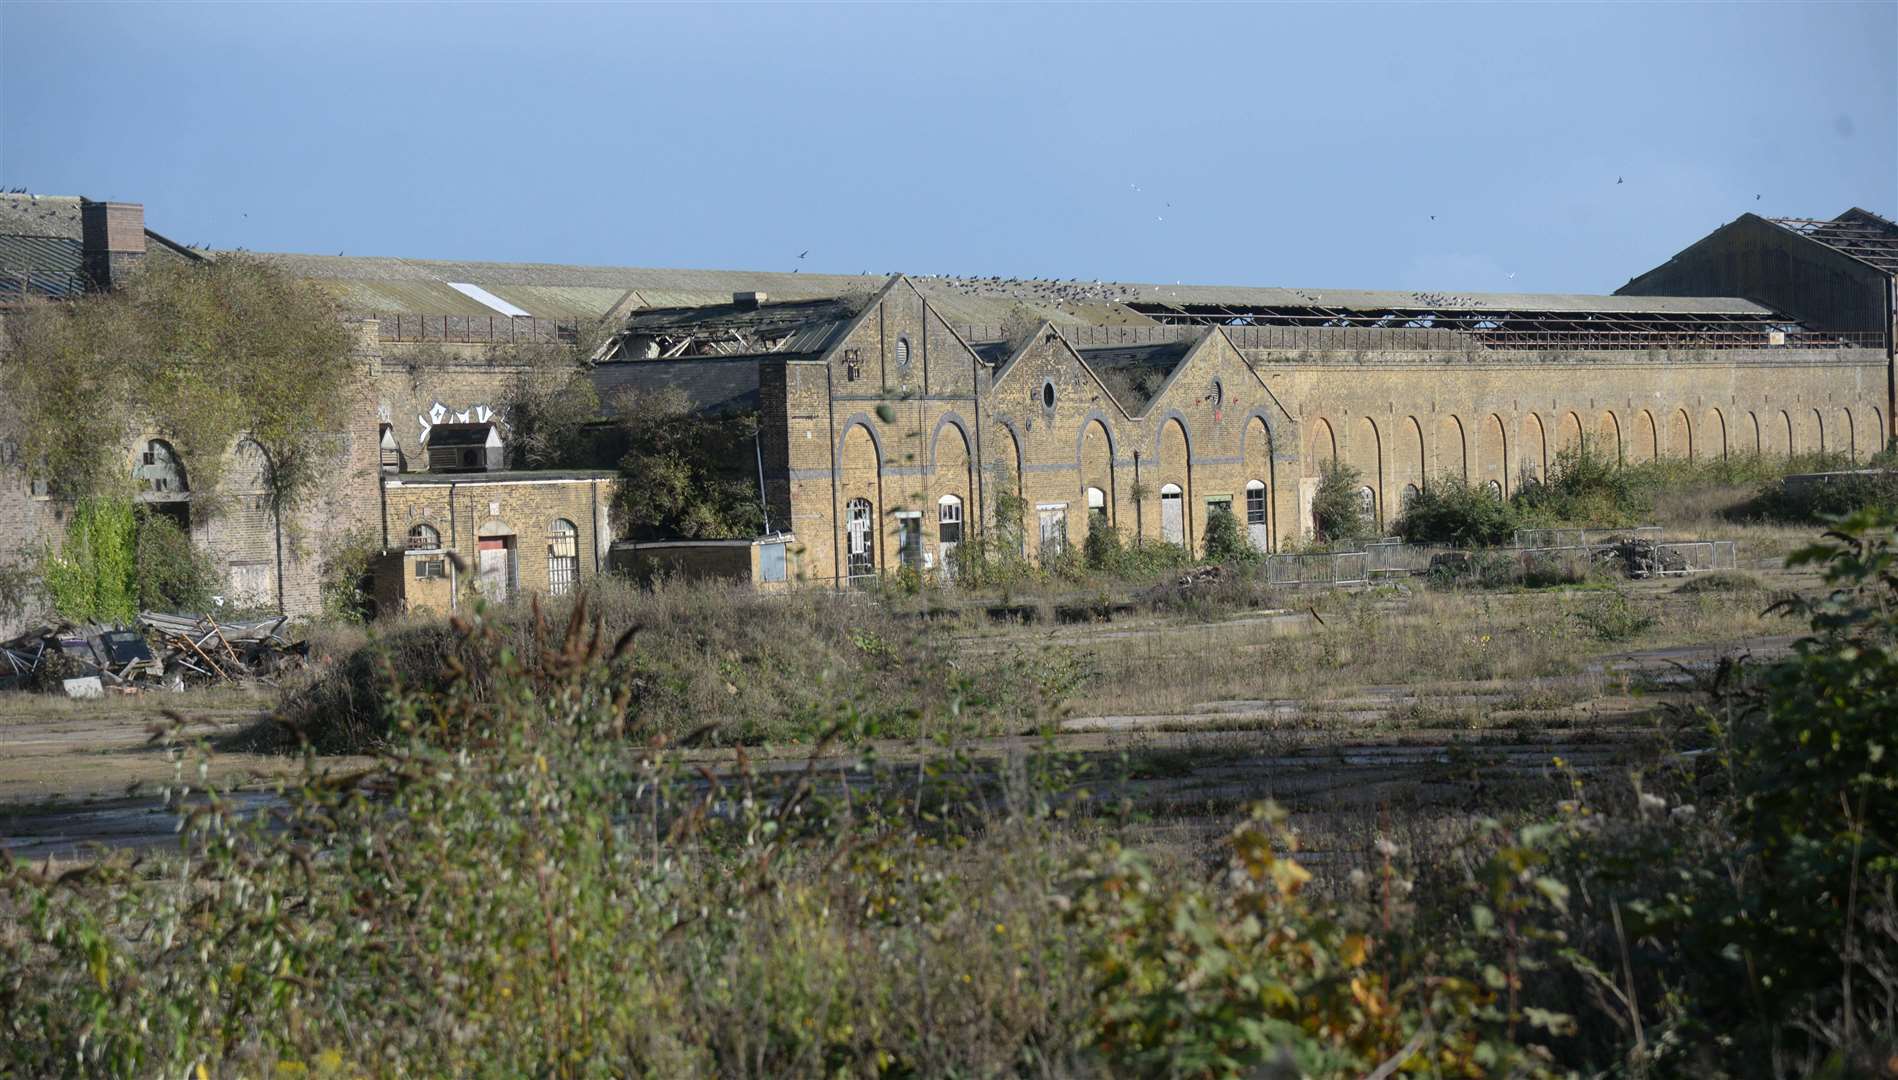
[(1617, 179), (803, 253)]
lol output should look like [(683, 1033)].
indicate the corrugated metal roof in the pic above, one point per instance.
[(391, 285)]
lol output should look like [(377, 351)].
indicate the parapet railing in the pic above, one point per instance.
[(477, 329), (1421, 338)]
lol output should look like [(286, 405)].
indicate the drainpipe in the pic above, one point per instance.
[(596, 527), (764, 503), (454, 545)]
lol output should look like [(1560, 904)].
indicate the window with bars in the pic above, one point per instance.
[(426, 569), (902, 352), (424, 538), (1255, 502), (853, 365), (563, 557)]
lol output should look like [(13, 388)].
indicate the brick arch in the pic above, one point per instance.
[(1409, 462), (1532, 451), (1714, 434), (1169, 419), (1095, 416), (952, 470), (1571, 433), (1608, 431), (950, 419), (1644, 443), (860, 420), (1492, 451), (1365, 452), (1265, 425), (1258, 462), (1094, 462), (1173, 464), (1680, 435), (1879, 434), (1324, 447), (1818, 431), (1751, 426), (1453, 447), (1845, 429), (1784, 426)]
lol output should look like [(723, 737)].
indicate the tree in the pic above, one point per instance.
[(1338, 511), (687, 474)]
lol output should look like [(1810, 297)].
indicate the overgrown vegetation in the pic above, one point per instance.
[(531, 879), (1453, 511), (687, 473), (1337, 509), (178, 350), (117, 559)]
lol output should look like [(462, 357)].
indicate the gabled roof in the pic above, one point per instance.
[(42, 246)]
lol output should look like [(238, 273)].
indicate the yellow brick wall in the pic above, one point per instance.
[(525, 509)]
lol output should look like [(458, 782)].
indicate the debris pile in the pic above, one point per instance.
[(169, 651)]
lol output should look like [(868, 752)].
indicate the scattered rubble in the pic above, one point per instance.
[(160, 651)]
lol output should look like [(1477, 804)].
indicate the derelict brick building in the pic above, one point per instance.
[(898, 414)]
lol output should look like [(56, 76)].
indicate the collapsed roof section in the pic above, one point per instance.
[(1134, 374), (749, 325), (1861, 234)]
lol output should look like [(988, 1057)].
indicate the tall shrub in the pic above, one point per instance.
[(1338, 511), (93, 575)]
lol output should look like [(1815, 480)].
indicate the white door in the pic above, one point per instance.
[(1172, 517)]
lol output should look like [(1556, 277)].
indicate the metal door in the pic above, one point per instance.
[(1172, 519)]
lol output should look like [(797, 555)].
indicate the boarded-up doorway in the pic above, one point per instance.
[(494, 568)]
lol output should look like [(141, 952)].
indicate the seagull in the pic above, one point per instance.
[(1617, 179), (1756, 198), (1433, 217), (803, 253)]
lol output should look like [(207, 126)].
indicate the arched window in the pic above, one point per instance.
[(159, 471), (1410, 495), (1216, 394), (949, 519), (860, 558), (1047, 395), (424, 538), (1096, 505), (1495, 490), (902, 352), (563, 556), (1172, 515), (1367, 500)]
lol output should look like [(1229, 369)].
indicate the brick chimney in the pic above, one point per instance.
[(114, 238)]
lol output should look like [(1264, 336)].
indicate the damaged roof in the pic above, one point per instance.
[(1861, 234), (714, 386), (423, 286), (1135, 373)]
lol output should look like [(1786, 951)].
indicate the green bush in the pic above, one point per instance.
[(1835, 497), (1225, 540), (1586, 487), (1337, 509), (1743, 915), (173, 574), (93, 577), (1453, 511)]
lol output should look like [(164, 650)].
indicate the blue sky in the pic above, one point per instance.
[(1265, 145)]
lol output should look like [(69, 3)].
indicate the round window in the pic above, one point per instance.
[(1217, 394), (1047, 395)]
